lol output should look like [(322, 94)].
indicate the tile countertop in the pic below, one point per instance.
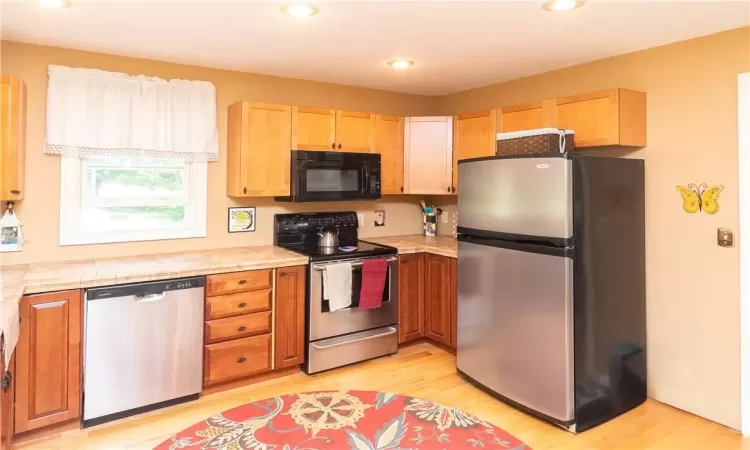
[(439, 245), (15, 281)]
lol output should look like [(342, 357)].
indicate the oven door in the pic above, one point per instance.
[(331, 176), (325, 324)]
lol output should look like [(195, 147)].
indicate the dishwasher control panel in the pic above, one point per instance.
[(155, 287)]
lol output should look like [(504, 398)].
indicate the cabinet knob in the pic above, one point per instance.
[(241, 359), (6, 381), (242, 328), (244, 190), (339, 146), (402, 189), (15, 191), (453, 189), (449, 188), (242, 305), (333, 146), (242, 282)]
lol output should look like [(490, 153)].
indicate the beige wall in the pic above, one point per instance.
[(692, 285), (40, 209)]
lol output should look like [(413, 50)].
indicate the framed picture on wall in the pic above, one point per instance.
[(241, 219)]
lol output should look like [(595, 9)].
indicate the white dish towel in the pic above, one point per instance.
[(337, 285)]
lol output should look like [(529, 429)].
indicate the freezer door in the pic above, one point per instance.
[(515, 324), (520, 196)]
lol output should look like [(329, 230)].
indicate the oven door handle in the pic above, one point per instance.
[(390, 331), (321, 267)]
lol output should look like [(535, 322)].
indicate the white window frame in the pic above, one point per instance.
[(73, 182)]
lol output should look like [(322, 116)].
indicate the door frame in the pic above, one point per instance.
[(743, 117)]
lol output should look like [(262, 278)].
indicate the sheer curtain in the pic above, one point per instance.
[(93, 112)]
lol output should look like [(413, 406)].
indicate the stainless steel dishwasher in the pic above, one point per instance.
[(143, 347)]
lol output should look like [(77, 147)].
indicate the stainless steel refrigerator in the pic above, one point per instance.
[(551, 284)]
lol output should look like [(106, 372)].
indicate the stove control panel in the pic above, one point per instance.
[(313, 222)]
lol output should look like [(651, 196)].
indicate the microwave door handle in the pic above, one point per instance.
[(365, 178)]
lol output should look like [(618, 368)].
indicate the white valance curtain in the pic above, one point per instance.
[(93, 112)]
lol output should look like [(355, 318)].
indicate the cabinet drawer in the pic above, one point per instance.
[(237, 327), (237, 358), (230, 283), (237, 304)]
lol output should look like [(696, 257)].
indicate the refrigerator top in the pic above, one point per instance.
[(531, 156)]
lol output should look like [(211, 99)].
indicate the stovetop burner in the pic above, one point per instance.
[(299, 233), (361, 249)]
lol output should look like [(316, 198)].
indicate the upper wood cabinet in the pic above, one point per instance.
[(389, 143), (474, 136), (258, 149), (428, 155), (331, 130), (410, 297), (313, 129), (355, 131), (529, 116), (289, 310), (12, 137), (48, 360), (604, 118)]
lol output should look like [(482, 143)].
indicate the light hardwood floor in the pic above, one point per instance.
[(422, 371)]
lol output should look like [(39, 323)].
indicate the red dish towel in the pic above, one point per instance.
[(373, 283)]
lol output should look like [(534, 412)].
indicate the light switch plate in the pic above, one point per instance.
[(724, 237), (361, 218)]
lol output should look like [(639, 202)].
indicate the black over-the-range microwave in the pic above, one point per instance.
[(333, 176)]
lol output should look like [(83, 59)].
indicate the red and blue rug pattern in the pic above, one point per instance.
[(360, 420)]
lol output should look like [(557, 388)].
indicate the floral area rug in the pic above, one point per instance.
[(360, 420)]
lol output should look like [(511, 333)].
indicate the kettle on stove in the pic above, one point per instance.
[(328, 239)]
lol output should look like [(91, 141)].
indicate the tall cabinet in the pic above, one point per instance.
[(428, 155), (12, 137)]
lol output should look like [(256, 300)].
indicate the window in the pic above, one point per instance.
[(124, 198)]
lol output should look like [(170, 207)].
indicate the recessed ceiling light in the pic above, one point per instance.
[(53, 3), (400, 63), (300, 9), (562, 5)]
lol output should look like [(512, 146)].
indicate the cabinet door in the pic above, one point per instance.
[(474, 136), (526, 117), (313, 128), (355, 131), (12, 138), (609, 117), (454, 303), (258, 147), (289, 333), (48, 358), (389, 142), (438, 298), (6, 405), (428, 155), (410, 297)]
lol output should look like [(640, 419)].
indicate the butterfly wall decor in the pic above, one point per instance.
[(700, 198)]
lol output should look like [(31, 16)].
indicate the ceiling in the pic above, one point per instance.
[(456, 45)]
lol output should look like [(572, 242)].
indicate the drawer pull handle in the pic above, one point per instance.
[(242, 305), (241, 359), (242, 328), (242, 282)]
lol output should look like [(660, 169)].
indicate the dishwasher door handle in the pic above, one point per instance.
[(150, 297)]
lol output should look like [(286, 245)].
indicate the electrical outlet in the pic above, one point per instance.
[(444, 218), (361, 219)]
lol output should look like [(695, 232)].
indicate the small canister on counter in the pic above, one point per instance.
[(430, 224)]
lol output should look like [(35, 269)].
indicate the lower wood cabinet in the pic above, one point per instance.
[(6, 402), (437, 298), (48, 360), (236, 358), (427, 298), (411, 297), (289, 333)]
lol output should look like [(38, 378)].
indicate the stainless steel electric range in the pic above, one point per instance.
[(346, 336)]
